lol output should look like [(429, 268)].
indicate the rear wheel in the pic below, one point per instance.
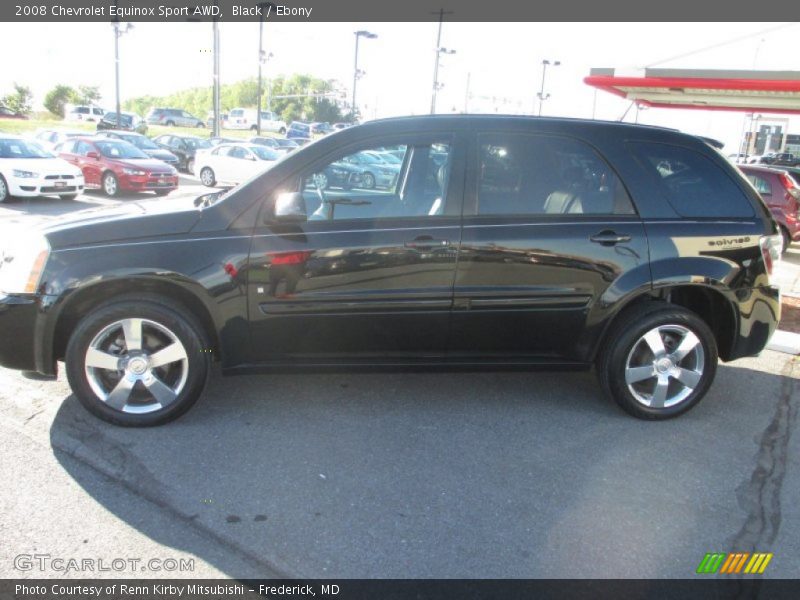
[(137, 363), (282, 130), (110, 184), (207, 177), (659, 361)]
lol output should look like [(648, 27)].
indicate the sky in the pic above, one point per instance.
[(496, 66)]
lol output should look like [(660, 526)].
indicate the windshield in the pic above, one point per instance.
[(122, 150), (11, 148), (140, 141), (369, 159), (197, 143), (264, 153), (389, 158), (287, 143)]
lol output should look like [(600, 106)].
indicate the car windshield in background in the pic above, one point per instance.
[(197, 143), (264, 153), (286, 143), (140, 141), (123, 119), (11, 148), (120, 149)]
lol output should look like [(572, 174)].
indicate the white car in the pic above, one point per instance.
[(27, 170), (233, 163), (50, 138), (246, 118), (84, 113)]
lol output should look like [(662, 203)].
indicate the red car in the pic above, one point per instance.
[(115, 166), (781, 194)]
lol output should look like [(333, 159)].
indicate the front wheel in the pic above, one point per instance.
[(207, 177), (659, 361), (282, 131), (369, 181), (5, 195), (110, 185), (190, 165), (137, 363)]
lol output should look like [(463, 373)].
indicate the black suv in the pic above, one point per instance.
[(185, 147), (504, 242)]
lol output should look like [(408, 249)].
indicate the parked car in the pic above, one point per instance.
[(537, 242), (247, 118), (84, 113), (233, 163), (7, 113), (115, 166), (321, 128), (143, 143), (216, 141), (281, 145), (124, 122), (784, 159), (185, 147), (374, 171), (28, 170), (781, 194), (50, 138), (171, 117), (299, 130)]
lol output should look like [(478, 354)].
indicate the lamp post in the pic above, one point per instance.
[(356, 72), (436, 85), (262, 58), (118, 33), (541, 95)]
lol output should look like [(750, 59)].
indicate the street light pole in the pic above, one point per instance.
[(118, 33), (441, 12), (356, 73), (541, 95), (217, 123), (261, 59)]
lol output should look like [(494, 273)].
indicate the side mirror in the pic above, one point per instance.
[(290, 207), (93, 155)]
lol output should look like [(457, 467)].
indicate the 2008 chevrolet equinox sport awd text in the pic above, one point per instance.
[(497, 242)]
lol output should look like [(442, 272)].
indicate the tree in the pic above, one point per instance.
[(56, 98), (88, 94), (20, 100)]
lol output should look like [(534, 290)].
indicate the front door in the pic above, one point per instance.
[(370, 275), (548, 233)]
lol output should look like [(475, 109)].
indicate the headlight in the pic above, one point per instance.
[(24, 174), (22, 261), (133, 172)]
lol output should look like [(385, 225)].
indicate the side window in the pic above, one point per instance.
[(546, 175), (82, 148), (357, 187), (67, 147), (692, 183), (762, 185), (237, 152)]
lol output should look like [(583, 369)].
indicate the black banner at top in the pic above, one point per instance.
[(392, 11)]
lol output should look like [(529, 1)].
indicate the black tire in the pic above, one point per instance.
[(625, 337), (69, 197), (110, 184), (180, 323), (787, 239), (200, 125), (207, 177), (282, 131), (5, 195), (170, 123), (253, 128)]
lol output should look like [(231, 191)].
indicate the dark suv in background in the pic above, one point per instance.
[(504, 242)]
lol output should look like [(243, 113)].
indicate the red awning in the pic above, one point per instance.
[(742, 91)]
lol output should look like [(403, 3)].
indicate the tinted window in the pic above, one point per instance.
[(342, 189), (762, 185), (693, 184), (540, 175)]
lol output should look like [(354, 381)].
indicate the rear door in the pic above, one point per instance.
[(370, 275), (548, 230)]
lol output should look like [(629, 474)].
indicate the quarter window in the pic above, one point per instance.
[(546, 175), (762, 185)]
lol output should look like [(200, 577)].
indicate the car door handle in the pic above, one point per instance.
[(609, 238), (426, 242)]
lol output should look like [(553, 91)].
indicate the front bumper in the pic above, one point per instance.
[(45, 185), (140, 183), (18, 318)]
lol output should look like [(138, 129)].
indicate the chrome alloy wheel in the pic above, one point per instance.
[(110, 185), (136, 366), (664, 366)]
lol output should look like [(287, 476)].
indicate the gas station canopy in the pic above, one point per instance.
[(743, 91)]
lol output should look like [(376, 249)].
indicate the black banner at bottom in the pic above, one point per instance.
[(396, 589)]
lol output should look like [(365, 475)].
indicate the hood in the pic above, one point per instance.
[(141, 219), (43, 166), (150, 164)]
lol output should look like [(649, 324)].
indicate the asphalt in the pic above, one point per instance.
[(409, 475)]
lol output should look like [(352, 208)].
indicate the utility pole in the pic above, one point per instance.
[(118, 33), (261, 6), (217, 124), (541, 95), (439, 51), (356, 72)]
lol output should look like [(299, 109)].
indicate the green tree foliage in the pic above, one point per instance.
[(199, 101), (20, 100), (58, 97), (88, 94)]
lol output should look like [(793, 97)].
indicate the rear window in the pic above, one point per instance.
[(691, 183)]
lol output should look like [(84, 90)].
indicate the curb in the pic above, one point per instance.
[(785, 341)]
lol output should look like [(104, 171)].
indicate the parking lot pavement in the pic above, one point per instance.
[(419, 475), (21, 210)]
